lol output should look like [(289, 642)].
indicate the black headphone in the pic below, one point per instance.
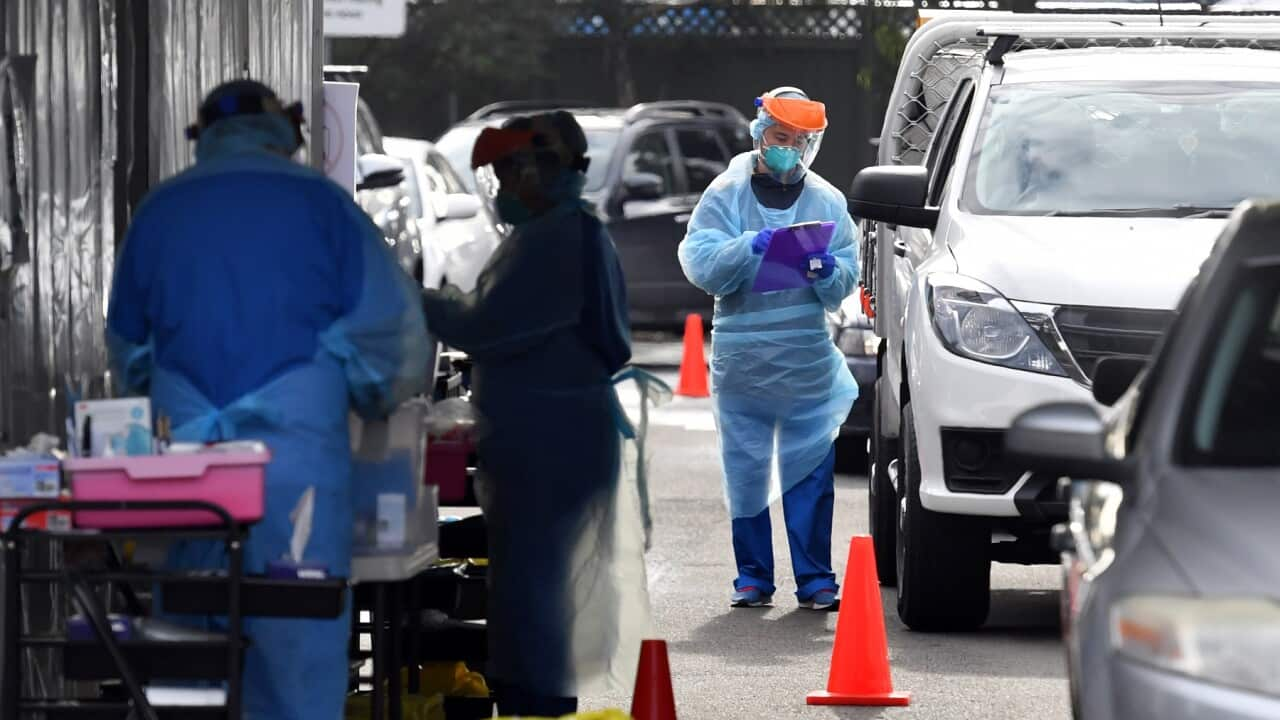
[(251, 99)]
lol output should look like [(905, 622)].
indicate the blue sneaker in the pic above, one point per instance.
[(748, 597), (822, 600)]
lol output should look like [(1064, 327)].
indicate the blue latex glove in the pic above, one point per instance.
[(760, 243), (820, 265)]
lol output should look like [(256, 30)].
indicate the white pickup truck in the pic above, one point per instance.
[(1048, 187)]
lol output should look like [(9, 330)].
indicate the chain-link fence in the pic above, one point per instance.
[(935, 72)]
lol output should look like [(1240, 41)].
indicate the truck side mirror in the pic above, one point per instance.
[(893, 194), (378, 171), (1064, 439)]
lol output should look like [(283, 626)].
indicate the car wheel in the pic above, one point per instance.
[(882, 499), (944, 565)]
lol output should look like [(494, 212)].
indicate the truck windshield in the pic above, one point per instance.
[(1165, 149)]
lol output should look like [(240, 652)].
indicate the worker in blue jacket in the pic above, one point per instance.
[(254, 300)]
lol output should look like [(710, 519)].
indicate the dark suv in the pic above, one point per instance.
[(650, 164)]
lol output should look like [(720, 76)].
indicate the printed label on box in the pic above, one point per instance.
[(30, 479), (53, 521), (391, 520), (115, 427)]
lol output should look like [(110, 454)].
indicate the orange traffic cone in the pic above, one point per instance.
[(860, 659), (654, 698), (693, 369)]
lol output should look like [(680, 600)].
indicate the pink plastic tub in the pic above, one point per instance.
[(233, 481), (447, 468)]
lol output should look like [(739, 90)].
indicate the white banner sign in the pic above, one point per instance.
[(340, 100), (364, 18)]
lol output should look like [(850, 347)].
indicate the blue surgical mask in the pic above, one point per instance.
[(781, 159), (510, 210)]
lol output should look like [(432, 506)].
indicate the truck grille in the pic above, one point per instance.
[(1093, 334)]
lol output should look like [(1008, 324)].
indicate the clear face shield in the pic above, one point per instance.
[(788, 133), (787, 152)]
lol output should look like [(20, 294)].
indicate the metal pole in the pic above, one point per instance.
[(415, 635), (10, 675), (235, 641), (319, 51), (242, 22), (379, 646), (396, 651)]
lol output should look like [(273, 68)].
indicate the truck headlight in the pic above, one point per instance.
[(1230, 642), (976, 322)]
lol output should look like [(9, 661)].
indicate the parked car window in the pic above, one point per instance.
[(650, 153), (600, 147), (737, 139), (455, 145), (368, 135), (1236, 416), (450, 183), (413, 181), (1156, 149), (437, 188), (942, 152), (704, 159)]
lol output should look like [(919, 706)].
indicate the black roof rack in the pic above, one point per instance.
[(1000, 46), (516, 107), (1170, 8), (699, 108)]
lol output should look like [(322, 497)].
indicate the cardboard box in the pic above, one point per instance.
[(116, 427), (30, 478), (55, 521)]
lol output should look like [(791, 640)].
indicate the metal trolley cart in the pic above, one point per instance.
[(133, 662)]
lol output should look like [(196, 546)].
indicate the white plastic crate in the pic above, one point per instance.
[(395, 535)]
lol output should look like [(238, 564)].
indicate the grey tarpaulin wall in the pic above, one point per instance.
[(85, 64), (195, 44), (94, 96)]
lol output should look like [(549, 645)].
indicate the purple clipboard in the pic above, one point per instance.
[(783, 267)]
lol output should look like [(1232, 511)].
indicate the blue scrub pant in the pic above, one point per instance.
[(808, 508)]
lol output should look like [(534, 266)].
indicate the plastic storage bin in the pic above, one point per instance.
[(232, 480), (395, 533), (447, 467)]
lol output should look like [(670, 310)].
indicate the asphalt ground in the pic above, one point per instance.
[(762, 663)]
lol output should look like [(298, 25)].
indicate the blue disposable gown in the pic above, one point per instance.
[(256, 301), (547, 329), (781, 387)]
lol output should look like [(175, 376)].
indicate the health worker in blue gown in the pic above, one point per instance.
[(781, 389), (254, 300), (546, 326)]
